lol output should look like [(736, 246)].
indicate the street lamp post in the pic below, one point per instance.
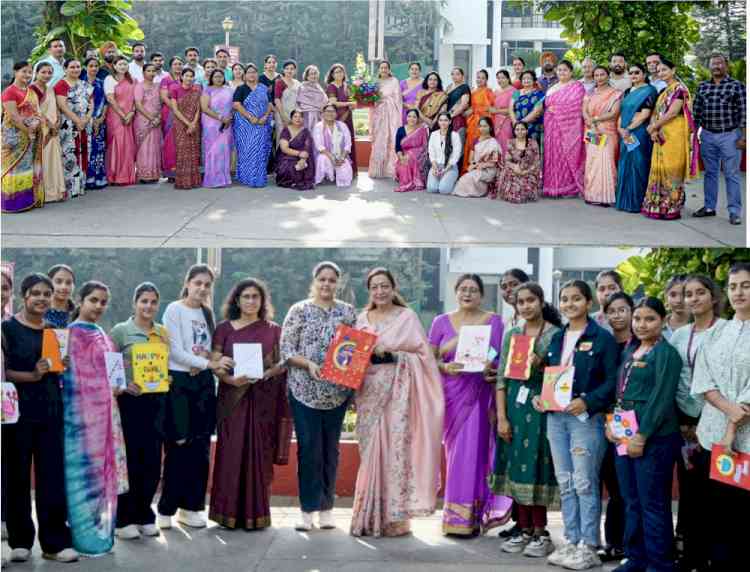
[(227, 24), (506, 45)]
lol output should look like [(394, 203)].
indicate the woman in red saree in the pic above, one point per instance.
[(186, 107), (411, 152), (482, 100), (399, 417), (121, 151), (253, 417)]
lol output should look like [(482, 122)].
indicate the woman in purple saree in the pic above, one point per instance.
[(468, 436), (295, 166)]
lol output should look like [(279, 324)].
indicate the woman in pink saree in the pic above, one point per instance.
[(399, 417), (411, 153), (311, 97), (216, 121), (503, 102), (385, 119), (468, 436), (147, 127), (601, 111), (119, 89), (564, 149)]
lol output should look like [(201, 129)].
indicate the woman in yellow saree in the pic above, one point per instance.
[(482, 99), (671, 165)]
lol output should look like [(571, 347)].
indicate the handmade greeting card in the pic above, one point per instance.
[(624, 426), (248, 361), (53, 343), (520, 357), (557, 389), (150, 372), (9, 404), (729, 469), (115, 370), (473, 347), (348, 357)]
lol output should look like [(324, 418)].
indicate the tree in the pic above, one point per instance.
[(85, 24), (723, 29), (652, 271)]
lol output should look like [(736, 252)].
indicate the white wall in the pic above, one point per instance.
[(468, 20)]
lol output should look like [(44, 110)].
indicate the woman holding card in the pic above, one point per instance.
[(142, 418), (61, 306), (722, 378), (647, 386), (575, 427), (191, 401), (469, 441), (523, 461), (399, 417), (36, 435), (253, 419), (95, 459)]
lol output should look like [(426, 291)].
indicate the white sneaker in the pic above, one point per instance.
[(150, 529), (305, 523), (20, 554), (559, 555), (516, 543), (164, 521), (539, 547), (4, 531), (129, 532), (326, 520), (67, 555), (191, 518), (583, 558)]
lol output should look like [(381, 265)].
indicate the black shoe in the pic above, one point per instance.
[(735, 219), (704, 212), (510, 532), (629, 566), (610, 554)]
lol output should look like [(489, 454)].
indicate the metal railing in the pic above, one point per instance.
[(535, 21)]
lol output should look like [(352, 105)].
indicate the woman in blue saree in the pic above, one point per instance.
[(96, 174), (633, 168), (528, 107), (252, 129)]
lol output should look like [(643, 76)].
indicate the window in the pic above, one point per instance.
[(462, 59)]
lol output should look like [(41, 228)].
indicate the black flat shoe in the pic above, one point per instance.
[(735, 219), (704, 212), (509, 532)]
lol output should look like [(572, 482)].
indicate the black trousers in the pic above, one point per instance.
[(143, 429), (318, 433), (614, 521), (191, 420), (41, 441)]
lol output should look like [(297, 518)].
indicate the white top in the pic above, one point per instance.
[(160, 76), (188, 337), (136, 71), (110, 83), (622, 84), (436, 149), (569, 345)]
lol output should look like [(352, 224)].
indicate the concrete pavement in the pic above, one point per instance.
[(370, 214)]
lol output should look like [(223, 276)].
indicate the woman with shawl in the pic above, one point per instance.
[(311, 97), (332, 146)]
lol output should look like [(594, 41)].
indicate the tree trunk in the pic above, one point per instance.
[(728, 28)]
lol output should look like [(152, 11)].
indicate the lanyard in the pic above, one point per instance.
[(626, 372), (691, 359)]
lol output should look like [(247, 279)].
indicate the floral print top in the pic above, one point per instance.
[(307, 331)]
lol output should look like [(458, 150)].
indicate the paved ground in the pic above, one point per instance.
[(370, 215), (282, 549)]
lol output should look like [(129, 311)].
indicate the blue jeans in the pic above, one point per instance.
[(718, 148), (578, 449), (646, 487), (444, 185)]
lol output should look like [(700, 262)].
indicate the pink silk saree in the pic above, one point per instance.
[(564, 149), (600, 181), (385, 119)]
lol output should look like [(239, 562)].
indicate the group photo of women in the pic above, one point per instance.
[(673, 362)]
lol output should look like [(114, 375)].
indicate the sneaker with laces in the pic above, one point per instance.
[(539, 547), (20, 554), (164, 521), (305, 523), (67, 555), (559, 555), (129, 532), (326, 520), (148, 529), (192, 518), (583, 558), (516, 544)]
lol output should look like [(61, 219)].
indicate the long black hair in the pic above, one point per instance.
[(208, 312), (84, 292), (448, 136), (549, 312)]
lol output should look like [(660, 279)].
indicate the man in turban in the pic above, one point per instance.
[(548, 78), (109, 52)]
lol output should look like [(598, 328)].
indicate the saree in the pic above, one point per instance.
[(399, 424), (503, 124), (168, 152), (481, 101), (469, 438), (254, 430), (670, 161), (523, 104), (288, 97), (74, 143), (22, 184), (523, 468), (338, 142), (310, 101), (455, 94), (410, 176), (523, 188), (287, 174), (345, 115), (564, 149), (253, 142), (187, 145), (49, 146), (148, 139), (429, 104), (217, 143), (96, 170), (95, 462), (385, 119), (600, 178), (120, 140), (408, 97), (634, 165), (476, 183)]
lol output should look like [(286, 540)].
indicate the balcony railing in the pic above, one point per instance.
[(535, 21)]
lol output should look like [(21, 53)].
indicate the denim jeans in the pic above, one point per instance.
[(578, 449), (718, 148), (646, 487), (444, 185)]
